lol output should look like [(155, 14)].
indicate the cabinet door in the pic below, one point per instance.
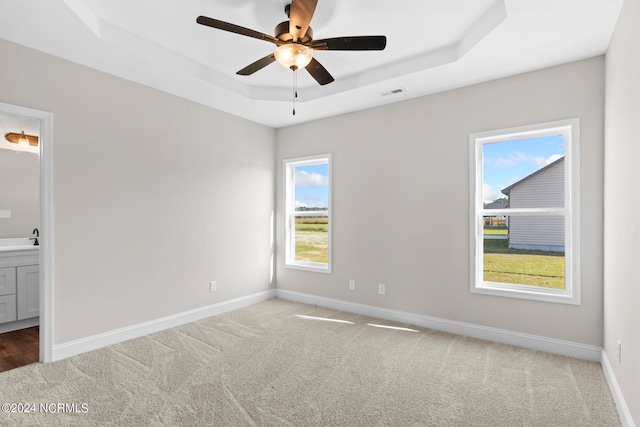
[(7, 281), (28, 292), (7, 308)]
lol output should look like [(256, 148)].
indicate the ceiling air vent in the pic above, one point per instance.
[(392, 92)]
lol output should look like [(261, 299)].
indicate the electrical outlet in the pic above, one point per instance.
[(5, 213), (619, 352), (381, 289), (213, 286), (352, 285)]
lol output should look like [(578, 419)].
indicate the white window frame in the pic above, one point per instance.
[(571, 294), (291, 214)]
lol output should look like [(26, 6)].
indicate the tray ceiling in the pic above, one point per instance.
[(432, 45)]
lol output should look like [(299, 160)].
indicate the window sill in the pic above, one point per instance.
[(559, 296), (316, 268)]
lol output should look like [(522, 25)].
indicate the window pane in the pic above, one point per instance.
[(311, 190), (311, 204), (528, 250), (524, 173), (312, 239)]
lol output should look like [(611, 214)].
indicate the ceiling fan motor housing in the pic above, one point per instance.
[(282, 32)]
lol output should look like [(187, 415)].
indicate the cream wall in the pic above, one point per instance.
[(19, 192), (154, 196), (401, 200), (622, 205)]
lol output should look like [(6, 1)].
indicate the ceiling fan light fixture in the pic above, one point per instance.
[(293, 55)]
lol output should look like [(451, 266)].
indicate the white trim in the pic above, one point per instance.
[(309, 266), (571, 212), (47, 286), (288, 166), (46, 223), (535, 342), (618, 397), (83, 345)]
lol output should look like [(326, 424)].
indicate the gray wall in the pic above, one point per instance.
[(154, 196), (19, 192), (401, 200), (622, 205)]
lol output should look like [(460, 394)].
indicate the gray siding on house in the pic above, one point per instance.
[(544, 233), (543, 188)]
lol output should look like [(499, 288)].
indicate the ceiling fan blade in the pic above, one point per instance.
[(300, 15), (318, 72), (350, 43), (257, 66), (232, 28)]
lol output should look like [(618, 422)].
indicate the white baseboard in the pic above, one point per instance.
[(72, 348), (535, 342), (618, 398)]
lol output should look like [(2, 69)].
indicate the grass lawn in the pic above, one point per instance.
[(312, 228), (496, 231), (312, 240), (522, 267)]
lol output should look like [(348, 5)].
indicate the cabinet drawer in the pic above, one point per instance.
[(8, 308), (7, 281)]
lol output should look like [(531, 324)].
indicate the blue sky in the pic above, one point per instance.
[(507, 162), (312, 186)]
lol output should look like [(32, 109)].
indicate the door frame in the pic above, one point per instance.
[(45, 147)]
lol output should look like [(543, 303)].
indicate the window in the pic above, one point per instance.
[(308, 213), (524, 212)]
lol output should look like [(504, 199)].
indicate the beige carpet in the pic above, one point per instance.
[(278, 364)]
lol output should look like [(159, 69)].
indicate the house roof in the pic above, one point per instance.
[(507, 190), (497, 205)]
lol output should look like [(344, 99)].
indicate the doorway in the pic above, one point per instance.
[(44, 123)]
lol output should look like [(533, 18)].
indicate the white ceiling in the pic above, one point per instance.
[(432, 46)]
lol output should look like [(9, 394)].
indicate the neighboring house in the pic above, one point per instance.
[(498, 220), (543, 188)]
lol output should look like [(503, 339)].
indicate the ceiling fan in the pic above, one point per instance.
[(295, 43)]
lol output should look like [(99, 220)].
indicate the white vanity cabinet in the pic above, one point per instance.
[(19, 293), (8, 308), (19, 288)]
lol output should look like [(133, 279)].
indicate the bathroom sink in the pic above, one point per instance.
[(17, 244)]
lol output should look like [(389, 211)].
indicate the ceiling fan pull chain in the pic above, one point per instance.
[(295, 88)]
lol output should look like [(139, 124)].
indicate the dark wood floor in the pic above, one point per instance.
[(19, 348)]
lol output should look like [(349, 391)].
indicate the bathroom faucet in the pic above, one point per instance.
[(37, 233)]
